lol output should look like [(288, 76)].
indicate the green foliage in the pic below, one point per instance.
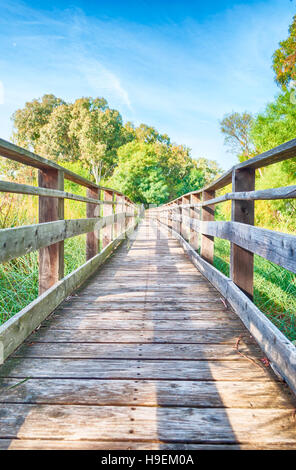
[(90, 137), (274, 288), (152, 172), (276, 124), (284, 58)]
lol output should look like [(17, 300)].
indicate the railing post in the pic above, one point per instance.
[(121, 209), (194, 214), (242, 260), (92, 238), (185, 229), (178, 212), (51, 258), (207, 215), (116, 209), (107, 210)]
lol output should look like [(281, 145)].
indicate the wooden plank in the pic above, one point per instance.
[(19, 154), (89, 323), (107, 211), (242, 260), (287, 192), (18, 241), (152, 306), (97, 335), (145, 423), (185, 212), (207, 241), (148, 393), (194, 214), (51, 258), (26, 444), (128, 314), (136, 351), (44, 444), (279, 350), (17, 188), (92, 238), (17, 328), (277, 154), (278, 247), (133, 369)]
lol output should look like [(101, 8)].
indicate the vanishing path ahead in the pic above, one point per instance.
[(144, 356)]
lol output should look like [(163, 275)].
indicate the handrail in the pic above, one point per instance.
[(24, 156), (277, 154), (118, 217), (192, 215)]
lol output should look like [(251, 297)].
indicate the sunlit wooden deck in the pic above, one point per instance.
[(145, 356)]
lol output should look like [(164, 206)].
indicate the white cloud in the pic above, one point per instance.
[(103, 81)]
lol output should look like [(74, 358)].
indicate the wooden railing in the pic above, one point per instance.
[(108, 211), (193, 215)]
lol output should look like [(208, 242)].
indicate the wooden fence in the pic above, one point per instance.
[(193, 215), (111, 216)]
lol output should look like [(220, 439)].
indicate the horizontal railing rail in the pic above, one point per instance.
[(110, 217), (191, 219)]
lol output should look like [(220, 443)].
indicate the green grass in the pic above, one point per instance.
[(274, 288), (19, 277)]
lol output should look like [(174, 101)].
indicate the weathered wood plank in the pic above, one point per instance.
[(19, 154), (136, 351), (44, 444), (96, 335), (148, 393), (111, 423), (207, 241), (92, 238), (242, 260), (143, 314), (17, 188), (134, 369), (280, 351), (108, 212), (19, 241), (149, 306), (278, 247), (51, 258), (112, 324), (16, 329)]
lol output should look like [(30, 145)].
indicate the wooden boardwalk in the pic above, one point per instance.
[(144, 356)]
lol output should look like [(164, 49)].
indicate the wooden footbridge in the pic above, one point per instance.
[(146, 345)]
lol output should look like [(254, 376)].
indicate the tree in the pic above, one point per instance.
[(236, 127), (29, 120), (87, 131), (153, 173), (284, 58)]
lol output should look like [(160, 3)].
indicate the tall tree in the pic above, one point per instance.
[(29, 120), (284, 58), (236, 128)]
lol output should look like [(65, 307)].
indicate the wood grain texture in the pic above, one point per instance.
[(143, 423), (14, 331), (207, 241), (19, 241), (51, 258), (92, 238), (242, 260), (145, 355), (280, 351)]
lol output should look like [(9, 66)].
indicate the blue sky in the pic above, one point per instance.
[(176, 65)]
